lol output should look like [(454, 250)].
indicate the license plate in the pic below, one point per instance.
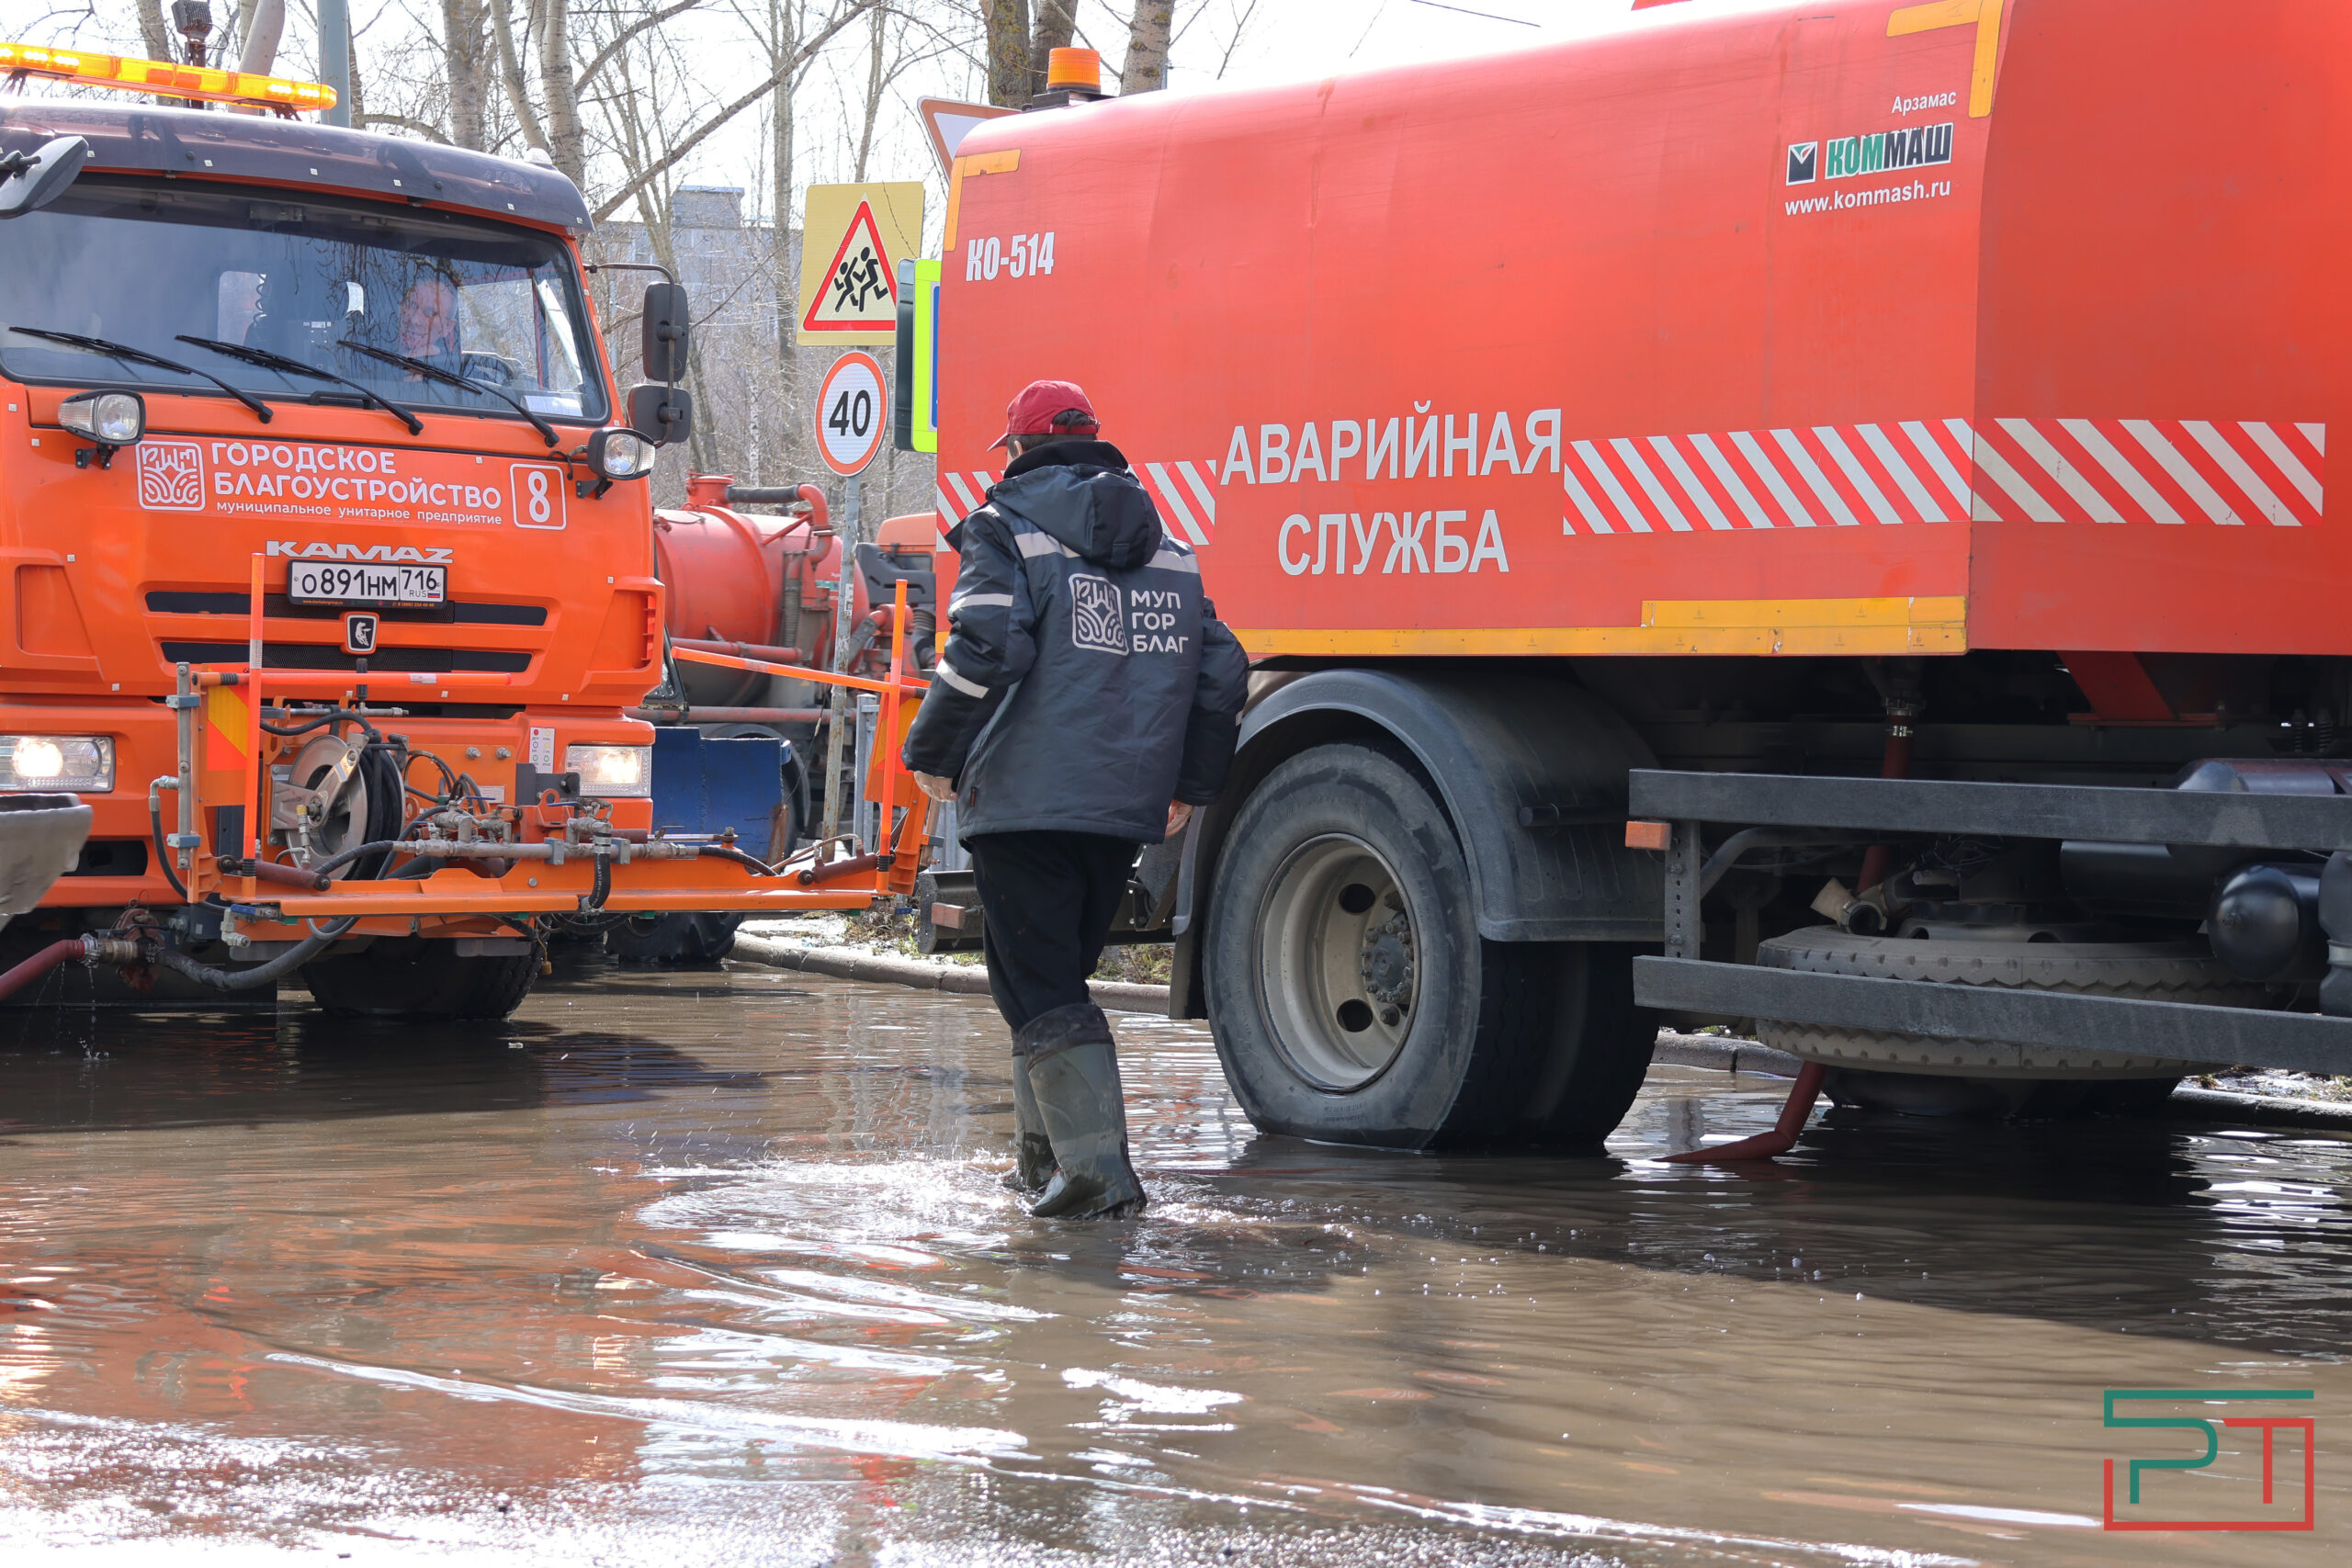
[(362, 582)]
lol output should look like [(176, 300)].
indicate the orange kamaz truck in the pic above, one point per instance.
[(329, 565), (1805, 513)]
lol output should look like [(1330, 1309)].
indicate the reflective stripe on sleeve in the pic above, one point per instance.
[(1172, 560), (946, 672), (979, 601), (1041, 544)]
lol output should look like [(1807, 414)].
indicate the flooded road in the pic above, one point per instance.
[(679, 1269)]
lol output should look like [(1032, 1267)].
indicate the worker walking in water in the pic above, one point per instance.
[(1086, 701)]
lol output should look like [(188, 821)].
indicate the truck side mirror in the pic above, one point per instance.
[(661, 414), (664, 343), (30, 181)]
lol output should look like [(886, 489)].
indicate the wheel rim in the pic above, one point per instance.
[(1339, 963)]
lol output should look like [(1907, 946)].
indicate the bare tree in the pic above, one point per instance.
[(466, 56), (261, 24), (846, 12), (873, 83), (1146, 69), (153, 33), (782, 31), (1057, 21), (559, 87), (1007, 22)]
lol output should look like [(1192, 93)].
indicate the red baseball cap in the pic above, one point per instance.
[(1047, 408)]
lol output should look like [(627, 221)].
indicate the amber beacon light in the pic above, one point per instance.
[(122, 73), (1080, 68)]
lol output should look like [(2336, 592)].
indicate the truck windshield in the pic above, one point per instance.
[(141, 263)]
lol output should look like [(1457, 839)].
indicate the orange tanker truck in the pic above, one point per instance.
[(329, 566), (1809, 514)]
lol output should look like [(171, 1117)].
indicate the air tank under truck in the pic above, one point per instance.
[(330, 570), (1816, 515)]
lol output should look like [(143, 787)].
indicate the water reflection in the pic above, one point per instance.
[(723, 1258)]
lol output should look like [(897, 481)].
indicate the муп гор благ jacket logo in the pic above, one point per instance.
[(1096, 619)]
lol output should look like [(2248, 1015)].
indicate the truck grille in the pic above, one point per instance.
[(386, 660), (277, 607)]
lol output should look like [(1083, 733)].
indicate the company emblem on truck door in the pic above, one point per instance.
[(171, 476)]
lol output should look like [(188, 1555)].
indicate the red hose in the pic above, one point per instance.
[(39, 964), (1807, 1089)]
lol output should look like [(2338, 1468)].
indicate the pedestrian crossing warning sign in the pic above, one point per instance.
[(852, 237)]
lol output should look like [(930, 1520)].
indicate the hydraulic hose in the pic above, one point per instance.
[(293, 958), (757, 866), (379, 846), (162, 856)]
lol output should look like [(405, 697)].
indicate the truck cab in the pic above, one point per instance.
[(363, 374)]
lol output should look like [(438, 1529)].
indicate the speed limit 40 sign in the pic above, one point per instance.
[(853, 410)]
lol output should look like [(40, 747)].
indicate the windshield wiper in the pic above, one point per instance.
[(286, 366), (124, 352), (433, 372)]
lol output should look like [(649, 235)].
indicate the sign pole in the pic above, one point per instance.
[(853, 416), (844, 704)]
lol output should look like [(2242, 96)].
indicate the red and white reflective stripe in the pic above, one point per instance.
[(1186, 494), (1820, 477), (1184, 498), (2174, 472), (958, 496), (2043, 471)]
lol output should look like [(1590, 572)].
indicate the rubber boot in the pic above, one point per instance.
[(1032, 1152), (1072, 1065)]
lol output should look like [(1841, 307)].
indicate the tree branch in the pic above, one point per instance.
[(604, 56), (403, 122), (643, 177)]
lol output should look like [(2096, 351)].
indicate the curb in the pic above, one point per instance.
[(964, 980), (2257, 1109)]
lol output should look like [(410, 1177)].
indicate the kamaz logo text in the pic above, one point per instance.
[(426, 556)]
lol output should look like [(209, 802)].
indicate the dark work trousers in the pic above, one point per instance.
[(1048, 900)]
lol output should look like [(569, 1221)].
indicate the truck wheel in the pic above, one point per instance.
[(673, 938), (1354, 1001), (421, 979), (1923, 1075)]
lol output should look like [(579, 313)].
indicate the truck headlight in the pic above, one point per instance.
[(616, 454), (81, 764), (611, 769), (110, 418)]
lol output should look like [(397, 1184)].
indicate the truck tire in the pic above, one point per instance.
[(421, 979), (1354, 1001), (1918, 1075), (673, 938)]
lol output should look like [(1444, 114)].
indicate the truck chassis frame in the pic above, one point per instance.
[(1907, 808)]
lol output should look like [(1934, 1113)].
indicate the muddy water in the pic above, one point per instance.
[(682, 1269)]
